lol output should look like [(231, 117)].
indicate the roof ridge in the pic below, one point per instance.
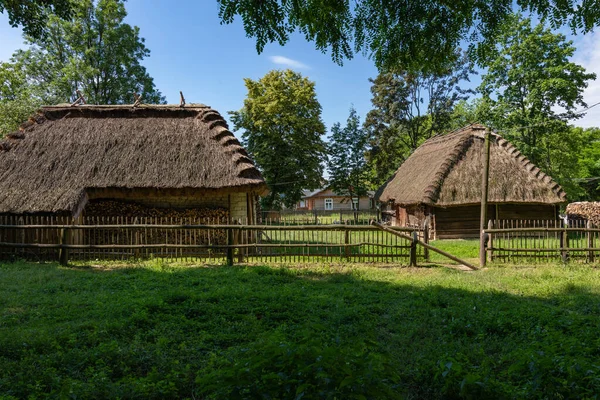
[(529, 166), (221, 133), (432, 191)]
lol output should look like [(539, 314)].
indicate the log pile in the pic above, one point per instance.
[(584, 211), (104, 212), (113, 208)]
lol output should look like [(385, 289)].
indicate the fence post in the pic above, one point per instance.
[(482, 249), (564, 245), (413, 249), (426, 238), (229, 247), (490, 242), (590, 241), (347, 241), (63, 254), (238, 240)]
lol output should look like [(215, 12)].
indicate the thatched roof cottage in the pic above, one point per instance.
[(66, 157), (442, 180)]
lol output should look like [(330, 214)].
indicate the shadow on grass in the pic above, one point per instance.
[(259, 332)]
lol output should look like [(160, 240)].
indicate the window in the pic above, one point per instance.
[(329, 204), (355, 204), (302, 204)]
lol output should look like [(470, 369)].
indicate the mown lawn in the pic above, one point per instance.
[(157, 330)]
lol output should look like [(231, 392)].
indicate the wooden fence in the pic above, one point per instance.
[(542, 241), (41, 238), (316, 217)]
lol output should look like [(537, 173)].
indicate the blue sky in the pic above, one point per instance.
[(191, 51)]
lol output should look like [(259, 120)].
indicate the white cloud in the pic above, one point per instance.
[(288, 62), (588, 56)]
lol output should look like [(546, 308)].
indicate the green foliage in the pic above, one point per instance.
[(396, 33), (32, 14), (17, 101), (588, 178), (409, 108), (347, 164), (162, 330), (95, 52), (526, 82), (282, 130)]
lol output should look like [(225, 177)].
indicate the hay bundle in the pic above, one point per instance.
[(584, 211)]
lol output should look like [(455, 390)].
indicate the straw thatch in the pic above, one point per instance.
[(64, 151), (584, 211), (447, 171)]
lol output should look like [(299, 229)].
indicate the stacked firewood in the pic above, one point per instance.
[(105, 212), (584, 211), (113, 208)]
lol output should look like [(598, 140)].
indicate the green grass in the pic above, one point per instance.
[(158, 330)]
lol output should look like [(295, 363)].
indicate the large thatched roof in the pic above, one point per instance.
[(447, 170), (63, 151)]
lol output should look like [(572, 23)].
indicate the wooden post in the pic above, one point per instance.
[(63, 254), (564, 244), (238, 240), (347, 241), (413, 249), (484, 197), (426, 238), (482, 249), (490, 243), (230, 249), (590, 241)]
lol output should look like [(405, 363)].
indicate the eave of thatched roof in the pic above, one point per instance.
[(63, 151), (447, 170)]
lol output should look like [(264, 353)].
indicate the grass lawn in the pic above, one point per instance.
[(157, 330)]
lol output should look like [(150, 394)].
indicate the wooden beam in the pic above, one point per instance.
[(435, 249), (484, 198)]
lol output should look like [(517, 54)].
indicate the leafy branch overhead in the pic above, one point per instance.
[(407, 33), (33, 14)]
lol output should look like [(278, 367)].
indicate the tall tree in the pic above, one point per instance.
[(32, 14), (409, 108), (97, 53), (282, 129), (408, 33), (17, 101), (347, 165), (531, 90)]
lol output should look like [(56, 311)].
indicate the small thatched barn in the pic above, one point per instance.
[(442, 180), (67, 158)]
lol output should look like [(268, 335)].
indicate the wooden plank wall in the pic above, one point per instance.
[(462, 222)]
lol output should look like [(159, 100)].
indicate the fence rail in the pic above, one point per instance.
[(542, 241), (89, 240)]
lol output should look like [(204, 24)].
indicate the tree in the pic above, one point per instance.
[(33, 14), (407, 33), (96, 53), (588, 160), (347, 165), (282, 130), (531, 91), (409, 108), (17, 102)]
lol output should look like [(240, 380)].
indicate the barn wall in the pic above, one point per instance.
[(462, 222)]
